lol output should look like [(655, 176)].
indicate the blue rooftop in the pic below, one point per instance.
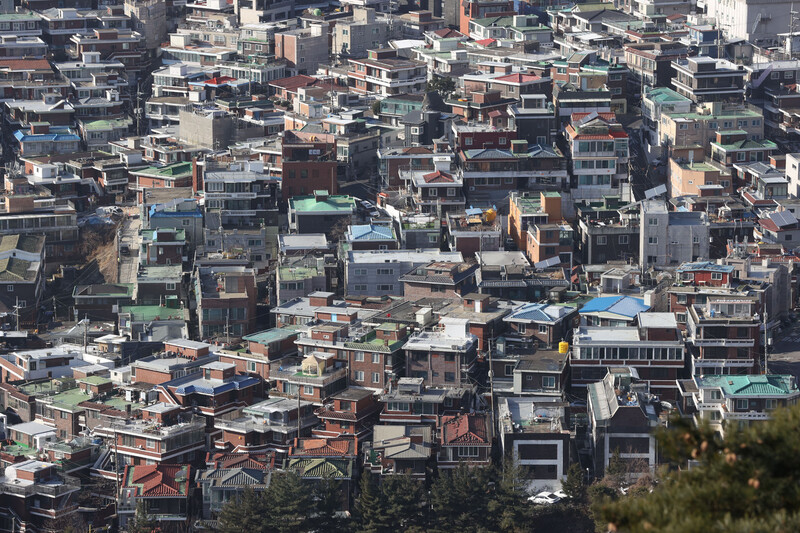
[(371, 232), (537, 312), (618, 305), (196, 383)]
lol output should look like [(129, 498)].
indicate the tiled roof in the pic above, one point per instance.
[(324, 447), (318, 468), (293, 82), (537, 312), (438, 177), (158, 480), (465, 429), (13, 269), (517, 77), (241, 460), (751, 385), (370, 232)]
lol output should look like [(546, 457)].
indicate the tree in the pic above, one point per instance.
[(376, 108), (509, 508), (574, 486), (288, 503), (245, 513), (142, 522), (445, 86), (744, 482), (405, 501), (327, 502), (369, 507), (459, 499)]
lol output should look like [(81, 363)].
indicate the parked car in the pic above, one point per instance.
[(124, 250), (547, 498)]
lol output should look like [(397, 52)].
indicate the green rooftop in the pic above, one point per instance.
[(175, 170), (69, 399), (663, 95), (158, 235), (724, 113), (752, 385), (529, 204), (323, 203), (104, 125), (146, 313)]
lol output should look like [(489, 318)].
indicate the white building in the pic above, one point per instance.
[(757, 21), (665, 236)]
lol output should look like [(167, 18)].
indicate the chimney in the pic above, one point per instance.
[(40, 128)]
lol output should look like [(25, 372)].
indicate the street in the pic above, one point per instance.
[(129, 235)]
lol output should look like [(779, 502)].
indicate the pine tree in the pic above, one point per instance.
[(746, 482), (370, 507), (509, 508), (574, 485), (288, 504), (443, 502), (405, 502), (245, 513), (327, 502)]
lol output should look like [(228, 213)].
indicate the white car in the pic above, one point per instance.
[(548, 497)]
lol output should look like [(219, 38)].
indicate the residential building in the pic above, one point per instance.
[(478, 9), (410, 402), (226, 300), (378, 272), (622, 418), (599, 148), (385, 74), (534, 434), (308, 164), (664, 236), (307, 214), (34, 494), (164, 490), (445, 358), (654, 350), (400, 449), (228, 475), (303, 49), (364, 31), (731, 403), (313, 378), (706, 79), (543, 325), (439, 279), (465, 438), (700, 126), (351, 411), (149, 18)]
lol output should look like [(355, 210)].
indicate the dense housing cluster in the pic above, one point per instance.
[(251, 236)]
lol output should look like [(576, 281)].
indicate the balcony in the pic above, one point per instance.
[(301, 378), (231, 195), (749, 415), (725, 343)]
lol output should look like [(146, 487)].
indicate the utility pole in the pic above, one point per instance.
[(298, 412), (85, 333), (228, 326), (16, 315), (766, 346)]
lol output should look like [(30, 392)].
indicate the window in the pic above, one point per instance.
[(742, 405), (251, 366), (509, 370), (359, 288), (468, 141), (308, 390), (151, 443), (451, 191), (10, 288), (522, 328), (542, 329), (359, 376), (716, 276), (468, 451), (652, 221), (449, 377), (359, 356), (741, 156), (376, 358), (170, 286), (770, 404), (549, 382), (376, 377), (652, 240), (623, 239), (602, 240), (433, 239), (360, 271), (385, 271), (433, 192), (716, 395), (387, 288), (64, 415)]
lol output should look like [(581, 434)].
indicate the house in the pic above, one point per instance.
[(351, 411), (410, 402), (612, 310), (307, 214), (544, 325), (167, 491), (385, 73), (444, 358), (378, 272), (371, 236), (313, 378), (315, 460), (400, 449), (228, 475), (465, 438), (534, 434), (142, 442), (724, 335), (439, 279), (35, 494), (707, 79), (599, 147), (655, 350), (731, 403), (268, 426), (622, 418), (226, 300)]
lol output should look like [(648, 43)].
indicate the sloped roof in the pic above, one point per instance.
[(751, 385), (237, 477), (13, 269), (158, 480), (536, 312), (618, 305), (241, 460), (438, 177), (467, 429), (370, 232), (321, 467), (324, 447)]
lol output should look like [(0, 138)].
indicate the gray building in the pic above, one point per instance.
[(377, 272), (671, 238), (363, 31)]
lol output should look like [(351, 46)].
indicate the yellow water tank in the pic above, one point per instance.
[(563, 347), (490, 215)]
